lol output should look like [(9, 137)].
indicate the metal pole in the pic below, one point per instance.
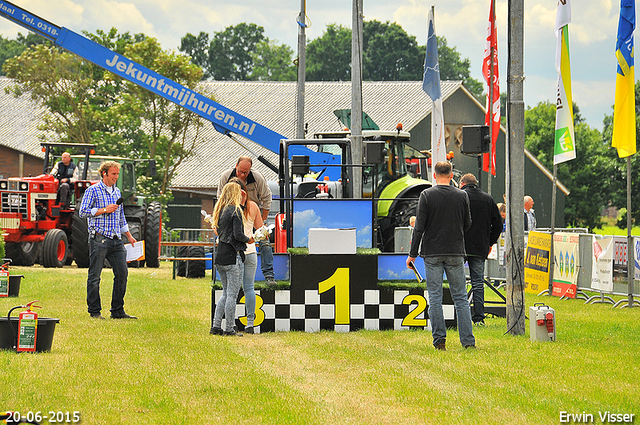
[(515, 170), (553, 227), (356, 96), (302, 65), (631, 269), (490, 102)]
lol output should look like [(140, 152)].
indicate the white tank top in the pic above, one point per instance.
[(248, 231)]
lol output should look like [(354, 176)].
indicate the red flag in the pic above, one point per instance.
[(489, 72)]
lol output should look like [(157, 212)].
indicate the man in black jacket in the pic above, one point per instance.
[(486, 226), (441, 219), (66, 173)]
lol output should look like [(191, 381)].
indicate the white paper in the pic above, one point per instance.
[(135, 251)]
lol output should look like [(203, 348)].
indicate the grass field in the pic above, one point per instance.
[(165, 368)]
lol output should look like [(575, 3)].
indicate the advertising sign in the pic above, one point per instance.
[(602, 273), (536, 262), (566, 261)]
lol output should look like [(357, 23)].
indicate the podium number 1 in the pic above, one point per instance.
[(340, 281)]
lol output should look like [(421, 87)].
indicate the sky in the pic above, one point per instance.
[(463, 23)]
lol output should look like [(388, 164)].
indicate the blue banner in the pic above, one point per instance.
[(170, 90)]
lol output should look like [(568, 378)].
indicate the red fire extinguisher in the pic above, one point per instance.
[(28, 329)]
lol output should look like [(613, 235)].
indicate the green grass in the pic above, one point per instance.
[(612, 230), (165, 368)]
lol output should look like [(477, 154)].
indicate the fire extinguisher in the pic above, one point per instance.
[(546, 319), (27, 328)]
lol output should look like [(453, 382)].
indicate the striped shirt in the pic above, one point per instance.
[(99, 196)]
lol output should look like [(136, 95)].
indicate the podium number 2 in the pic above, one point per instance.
[(411, 318), (340, 281)]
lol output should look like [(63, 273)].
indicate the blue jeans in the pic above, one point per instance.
[(231, 279), (113, 250), (476, 272), (250, 266), (454, 267), (266, 259)]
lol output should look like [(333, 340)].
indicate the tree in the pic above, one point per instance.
[(89, 104), (12, 48), (273, 62), (167, 129), (586, 177), (197, 47), (452, 67), (240, 52), (230, 51), (329, 56), (389, 54)]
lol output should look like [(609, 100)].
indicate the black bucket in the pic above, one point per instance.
[(44, 337), (14, 284)]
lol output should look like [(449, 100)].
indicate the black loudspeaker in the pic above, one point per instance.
[(475, 139), (300, 164), (374, 152)]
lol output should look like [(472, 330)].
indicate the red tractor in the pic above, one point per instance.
[(38, 228)]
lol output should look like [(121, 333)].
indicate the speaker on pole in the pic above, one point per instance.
[(475, 139)]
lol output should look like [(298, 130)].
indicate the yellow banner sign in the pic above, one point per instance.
[(536, 262)]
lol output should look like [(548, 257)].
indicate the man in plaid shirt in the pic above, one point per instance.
[(106, 224)]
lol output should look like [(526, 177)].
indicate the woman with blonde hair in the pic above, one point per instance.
[(228, 220), (252, 220)]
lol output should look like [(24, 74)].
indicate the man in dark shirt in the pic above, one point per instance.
[(442, 217), (66, 173), (485, 230)]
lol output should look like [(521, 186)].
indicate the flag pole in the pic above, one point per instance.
[(491, 64), (553, 227), (631, 269)]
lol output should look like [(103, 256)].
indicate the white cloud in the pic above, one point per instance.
[(304, 220)]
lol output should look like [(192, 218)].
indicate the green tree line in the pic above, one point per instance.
[(243, 52), (596, 178)]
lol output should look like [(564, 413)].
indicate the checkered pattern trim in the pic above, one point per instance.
[(378, 310)]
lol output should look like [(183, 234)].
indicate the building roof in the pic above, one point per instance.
[(273, 104), (19, 121)]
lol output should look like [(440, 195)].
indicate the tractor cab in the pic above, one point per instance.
[(126, 181)]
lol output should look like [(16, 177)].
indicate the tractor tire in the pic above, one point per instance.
[(80, 240), (54, 248), (181, 269), (23, 253), (400, 216), (197, 268), (152, 232), (191, 269), (135, 229)]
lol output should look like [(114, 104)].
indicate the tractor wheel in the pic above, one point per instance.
[(181, 270), (23, 253), (400, 216), (152, 232), (80, 240), (136, 232), (196, 268), (54, 248)]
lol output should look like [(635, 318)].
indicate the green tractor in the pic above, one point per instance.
[(392, 176)]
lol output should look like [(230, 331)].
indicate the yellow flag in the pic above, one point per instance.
[(624, 111)]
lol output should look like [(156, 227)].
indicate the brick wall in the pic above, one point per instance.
[(10, 162)]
